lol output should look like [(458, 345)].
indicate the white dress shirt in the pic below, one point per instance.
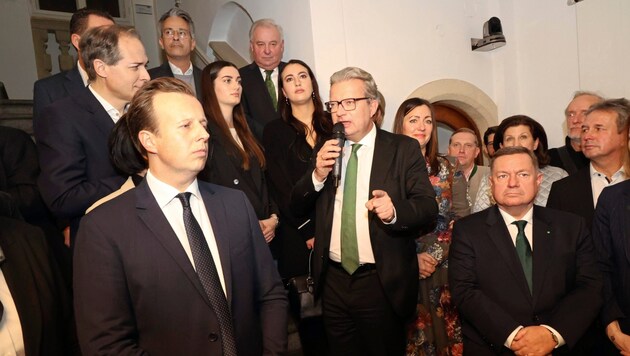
[(166, 197), (11, 339), (274, 77), (599, 181), (111, 110), (529, 234), (83, 73), (365, 155)]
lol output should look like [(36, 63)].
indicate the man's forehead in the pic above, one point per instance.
[(463, 136), (266, 33)]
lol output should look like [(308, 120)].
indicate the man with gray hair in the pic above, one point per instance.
[(604, 142), (364, 264), (260, 78), (177, 39), (570, 156), (73, 133)]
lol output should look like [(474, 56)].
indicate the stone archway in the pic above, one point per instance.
[(229, 35), (464, 97)]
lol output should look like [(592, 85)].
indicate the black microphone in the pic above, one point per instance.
[(339, 134)]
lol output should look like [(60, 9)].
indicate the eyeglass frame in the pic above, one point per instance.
[(181, 33), (340, 102)]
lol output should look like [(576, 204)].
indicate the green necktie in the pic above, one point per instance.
[(524, 251), (271, 89), (349, 245)]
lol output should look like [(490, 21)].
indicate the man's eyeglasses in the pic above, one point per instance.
[(170, 33), (348, 104)]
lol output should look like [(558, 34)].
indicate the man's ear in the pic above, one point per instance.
[(75, 39), (100, 68), (161, 43), (373, 106), (147, 140)]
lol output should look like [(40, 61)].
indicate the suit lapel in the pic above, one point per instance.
[(543, 252), (500, 237), (100, 118), (218, 219), (381, 161), (154, 219)]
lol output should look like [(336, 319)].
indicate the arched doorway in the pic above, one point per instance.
[(458, 104)]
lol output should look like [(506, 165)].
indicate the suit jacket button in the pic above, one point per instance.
[(213, 337), (236, 181), (536, 318)]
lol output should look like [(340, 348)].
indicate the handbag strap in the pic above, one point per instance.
[(310, 257)]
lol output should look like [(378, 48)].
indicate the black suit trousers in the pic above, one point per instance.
[(358, 318)]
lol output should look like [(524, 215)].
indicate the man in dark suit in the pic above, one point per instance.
[(177, 39), (19, 169), (365, 265), (60, 85), (570, 156), (142, 283), (605, 143), (72, 135), (36, 310), (260, 78), (611, 236), (523, 277)]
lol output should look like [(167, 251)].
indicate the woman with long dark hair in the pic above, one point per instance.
[(289, 144), (436, 329), (235, 158)]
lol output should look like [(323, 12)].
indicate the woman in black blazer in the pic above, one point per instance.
[(289, 144), (235, 158)]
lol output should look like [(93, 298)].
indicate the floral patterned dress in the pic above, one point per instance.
[(436, 329)]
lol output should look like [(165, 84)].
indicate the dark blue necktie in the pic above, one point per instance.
[(208, 275)]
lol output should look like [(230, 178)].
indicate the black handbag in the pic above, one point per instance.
[(303, 288)]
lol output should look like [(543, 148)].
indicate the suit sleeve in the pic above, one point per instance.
[(106, 327), (272, 298), (554, 200), (63, 181), (603, 241), (18, 160), (41, 99), (280, 184), (585, 296), (491, 321), (416, 207)]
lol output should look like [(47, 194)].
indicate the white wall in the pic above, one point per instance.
[(17, 58), (552, 49)]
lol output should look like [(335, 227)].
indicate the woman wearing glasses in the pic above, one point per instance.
[(289, 144), (521, 130), (235, 159), (436, 329)]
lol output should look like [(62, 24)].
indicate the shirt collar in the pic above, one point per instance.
[(175, 69), (263, 71), (165, 193), (83, 73), (111, 110), (620, 174), (509, 219), (367, 140)]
